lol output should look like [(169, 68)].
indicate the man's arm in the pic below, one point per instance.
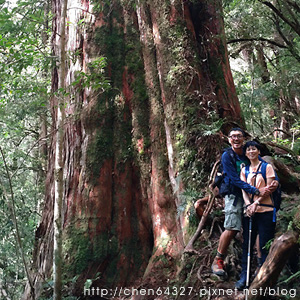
[(245, 195), (230, 170)]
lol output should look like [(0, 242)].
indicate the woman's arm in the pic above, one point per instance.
[(272, 183)]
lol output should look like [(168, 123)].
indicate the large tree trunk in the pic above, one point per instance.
[(126, 149)]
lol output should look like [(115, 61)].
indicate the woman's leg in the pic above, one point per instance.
[(242, 282), (266, 231)]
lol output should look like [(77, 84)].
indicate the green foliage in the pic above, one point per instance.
[(95, 79), (294, 276), (264, 52), (212, 128), (187, 200), (24, 85), (101, 147)]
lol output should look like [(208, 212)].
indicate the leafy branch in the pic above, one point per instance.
[(12, 206), (294, 25), (95, 78), (240, 40)]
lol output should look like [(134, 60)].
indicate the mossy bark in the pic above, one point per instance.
[(132, 151)]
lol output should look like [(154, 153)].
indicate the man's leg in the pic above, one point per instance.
[(232, 224), (225, 239), (224, 242)]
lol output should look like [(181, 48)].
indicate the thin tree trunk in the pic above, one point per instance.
[(43, 117), (11, 204), (59, 163)]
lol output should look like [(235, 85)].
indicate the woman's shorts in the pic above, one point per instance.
[(233, 214)]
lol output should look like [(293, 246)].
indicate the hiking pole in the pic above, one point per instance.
[(249, 241), (249, 257)]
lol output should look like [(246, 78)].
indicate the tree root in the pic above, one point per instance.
[(278, 255)]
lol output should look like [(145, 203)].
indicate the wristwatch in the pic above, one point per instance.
[(257, 192)]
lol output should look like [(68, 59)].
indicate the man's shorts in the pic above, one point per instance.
[(233, 214)]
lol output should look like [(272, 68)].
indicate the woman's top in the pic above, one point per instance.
[(259, 183)]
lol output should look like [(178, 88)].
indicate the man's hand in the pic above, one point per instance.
[(273, 186), (214, 190), (265, 191), (269, 189)]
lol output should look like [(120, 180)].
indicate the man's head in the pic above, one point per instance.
[(236, 139)]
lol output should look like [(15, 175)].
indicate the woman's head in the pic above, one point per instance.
[(252, 149)]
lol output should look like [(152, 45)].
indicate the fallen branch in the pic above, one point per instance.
[(190, 246), (284, 148)]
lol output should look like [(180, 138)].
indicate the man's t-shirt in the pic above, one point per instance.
[(231, 169)]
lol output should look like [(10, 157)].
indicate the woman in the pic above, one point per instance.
[(260, 209)]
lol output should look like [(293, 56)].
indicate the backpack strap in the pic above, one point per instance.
[(247, 171), (233, 158), (264, 175), (263, 171), (231, 154)]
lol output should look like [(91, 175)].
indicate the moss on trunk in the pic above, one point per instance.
[(139, 153)]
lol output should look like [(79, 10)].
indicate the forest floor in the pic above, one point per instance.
[(194, 278)]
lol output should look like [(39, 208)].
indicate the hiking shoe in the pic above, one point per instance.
[(217, 266), (259, 264), (241, 284)]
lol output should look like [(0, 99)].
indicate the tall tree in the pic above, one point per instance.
[(130, 153), (59, 164), (265, 35), (23, 95)]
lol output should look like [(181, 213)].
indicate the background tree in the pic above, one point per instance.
[(265, 37), (23, 94)]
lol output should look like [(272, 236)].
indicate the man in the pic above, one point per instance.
[(232, 161)]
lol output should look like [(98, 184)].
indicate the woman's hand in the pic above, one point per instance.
[(251, 209)]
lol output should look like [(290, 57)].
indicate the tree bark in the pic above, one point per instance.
[(126, 151), (59, 163), (269, 272)]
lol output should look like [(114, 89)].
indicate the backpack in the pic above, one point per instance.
[(276, 195), (219, 181)]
